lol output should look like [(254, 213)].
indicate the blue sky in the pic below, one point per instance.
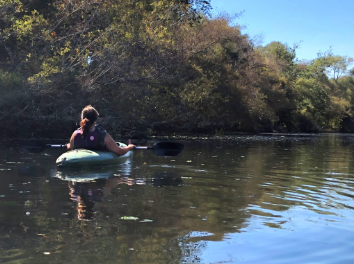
[(319, 25)]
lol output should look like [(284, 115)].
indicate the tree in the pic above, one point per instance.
[(335, 66), (351, 72), (338, 65)]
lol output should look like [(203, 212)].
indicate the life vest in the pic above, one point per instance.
[(94, 140)]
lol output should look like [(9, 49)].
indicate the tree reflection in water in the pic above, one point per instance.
[(240, 200)]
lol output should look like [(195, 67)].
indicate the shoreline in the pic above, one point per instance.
[(231, 136)]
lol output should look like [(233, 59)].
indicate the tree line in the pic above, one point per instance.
[(158, 67)]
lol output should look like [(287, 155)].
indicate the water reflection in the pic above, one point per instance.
[(87, 187), (253, 199), (86, 194)]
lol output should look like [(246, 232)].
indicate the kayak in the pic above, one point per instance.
[(91, 158)]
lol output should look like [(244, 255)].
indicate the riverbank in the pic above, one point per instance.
[(49, 129), (186, 73), (243, 137)]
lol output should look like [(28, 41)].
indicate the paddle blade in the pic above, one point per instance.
[(33, 146), (167, 148)]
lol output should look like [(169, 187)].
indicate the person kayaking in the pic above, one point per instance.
[(92, 136)]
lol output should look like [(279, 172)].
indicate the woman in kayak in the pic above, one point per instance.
[(93, 136)]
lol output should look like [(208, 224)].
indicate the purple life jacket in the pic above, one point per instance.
[(94, 140)]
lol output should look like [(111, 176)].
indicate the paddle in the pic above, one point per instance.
[(160, 148), (164, 148), (36, 146)]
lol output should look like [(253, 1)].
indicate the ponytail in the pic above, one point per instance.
[(85, 125), (88, 116)]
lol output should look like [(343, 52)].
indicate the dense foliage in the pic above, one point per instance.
[(158, 67)]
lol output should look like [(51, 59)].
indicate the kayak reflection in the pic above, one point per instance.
[(86, 175), (89, 187)]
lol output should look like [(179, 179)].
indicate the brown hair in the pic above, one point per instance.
[(88, 116)]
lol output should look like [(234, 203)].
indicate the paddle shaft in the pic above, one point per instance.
[(141, 147), (55, 146), (63, 146), (160, 148), (164, 148)]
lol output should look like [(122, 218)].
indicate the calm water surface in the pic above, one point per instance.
[(252, 199)]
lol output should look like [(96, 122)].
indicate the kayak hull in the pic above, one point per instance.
[(90, 158)]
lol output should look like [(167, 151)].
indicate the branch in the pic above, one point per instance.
[(7, 49)]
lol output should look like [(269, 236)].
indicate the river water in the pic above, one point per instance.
[(246, 199)]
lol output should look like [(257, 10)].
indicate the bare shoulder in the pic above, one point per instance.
[(73, 134), (108, 140)]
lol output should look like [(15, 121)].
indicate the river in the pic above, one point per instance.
[(246, 199)]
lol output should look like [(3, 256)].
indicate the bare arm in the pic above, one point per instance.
[(70, 145), (113, 147)]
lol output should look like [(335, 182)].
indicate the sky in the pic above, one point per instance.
[(318, 25)]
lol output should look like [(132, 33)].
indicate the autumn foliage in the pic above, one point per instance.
[(158, 67)]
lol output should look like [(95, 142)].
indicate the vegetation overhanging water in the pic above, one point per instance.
[(157, 67)]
